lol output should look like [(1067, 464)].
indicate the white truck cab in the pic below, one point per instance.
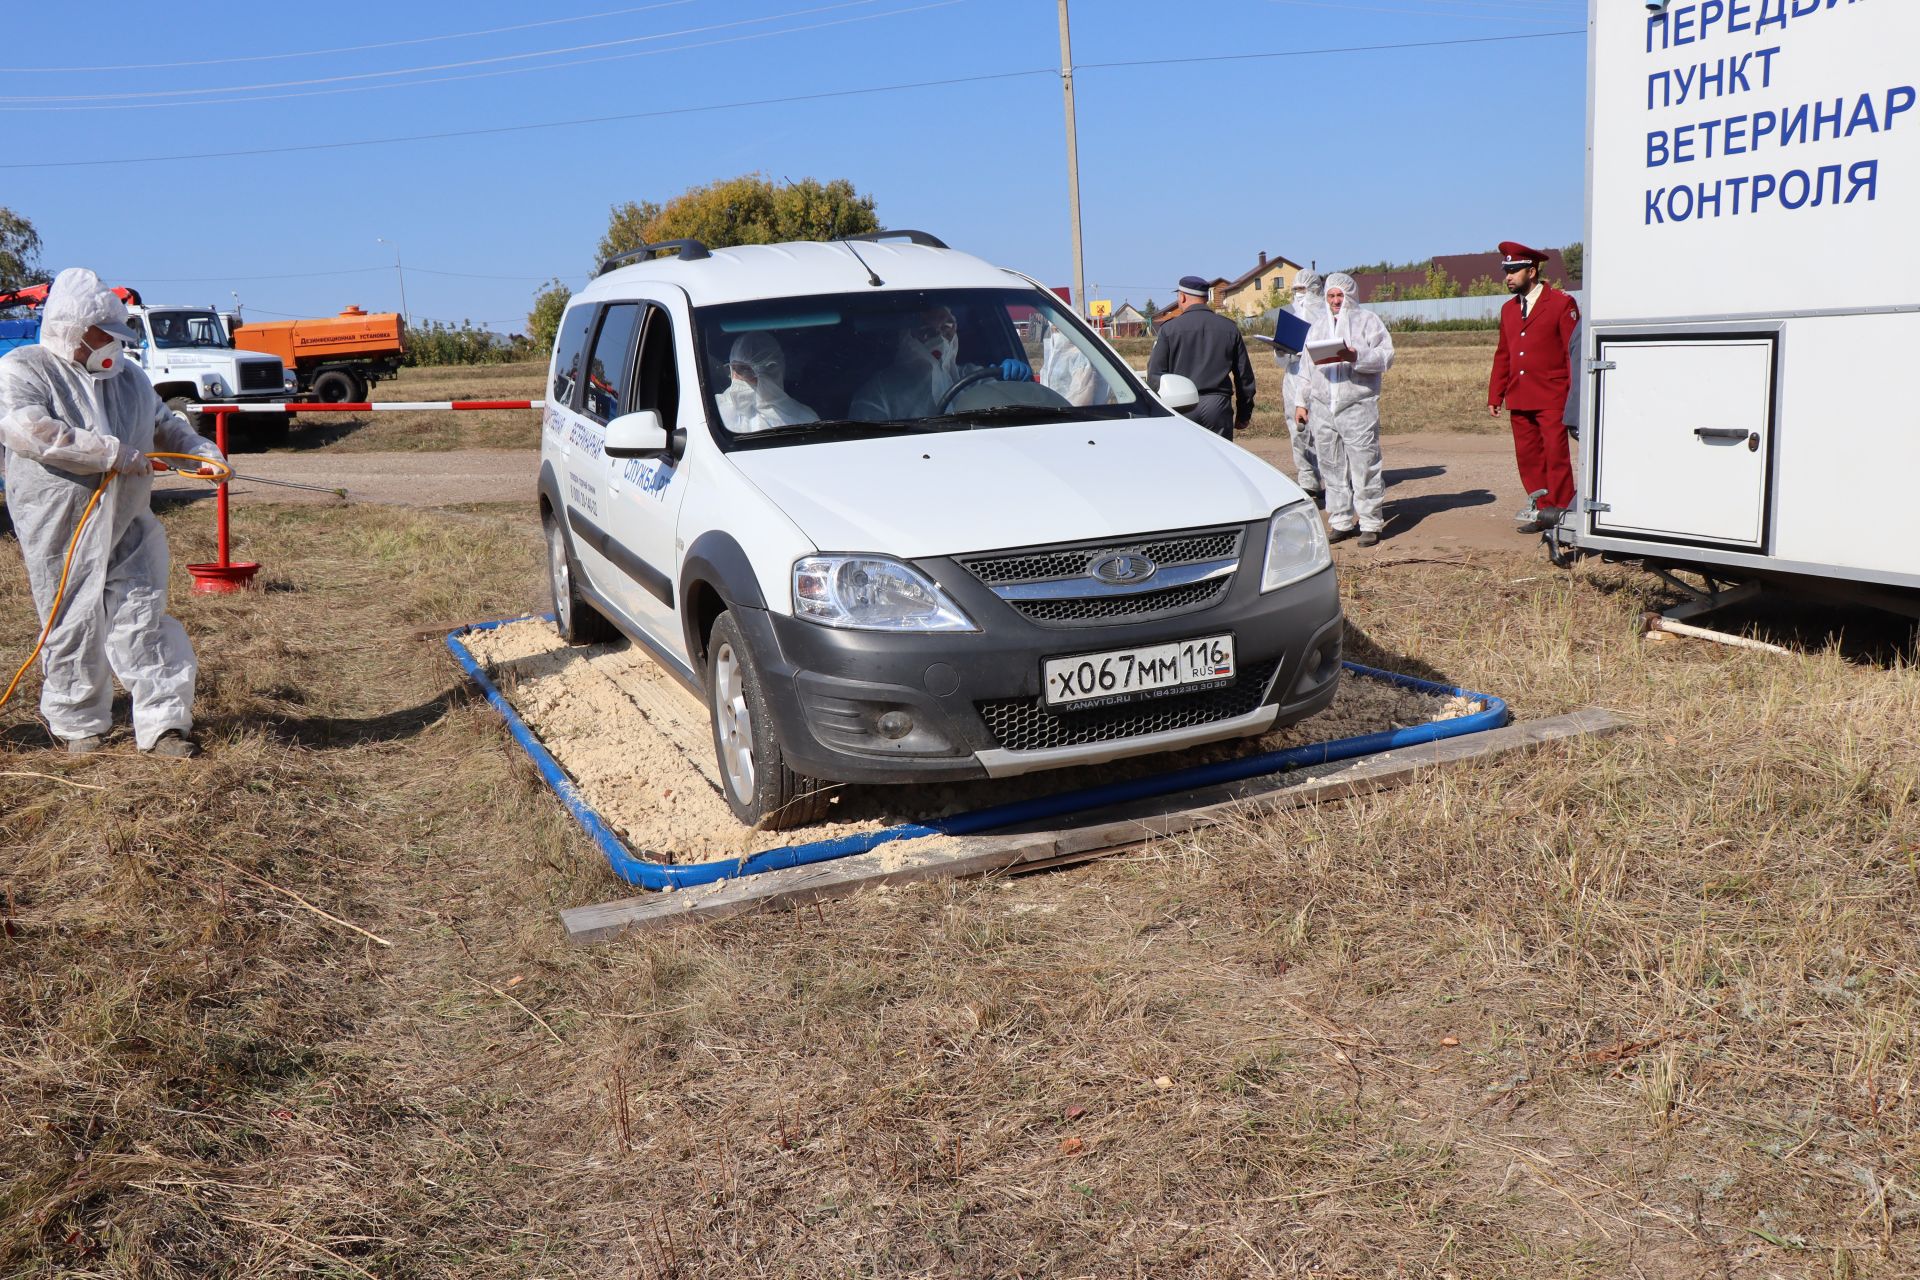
[(920, 564), (190, 359)]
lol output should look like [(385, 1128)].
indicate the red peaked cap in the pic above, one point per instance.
[(1518, 255)]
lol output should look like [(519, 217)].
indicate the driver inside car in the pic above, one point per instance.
[(925, 369)]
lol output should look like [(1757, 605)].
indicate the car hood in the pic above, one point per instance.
[(963, 491)]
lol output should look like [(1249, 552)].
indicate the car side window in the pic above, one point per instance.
[(659, 381), (610, 367), (570, 350)]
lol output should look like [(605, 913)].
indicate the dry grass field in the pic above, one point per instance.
[(1643, 1006), (1438, 383)]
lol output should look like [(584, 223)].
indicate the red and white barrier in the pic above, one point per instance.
[(225, 575), (385, 406)]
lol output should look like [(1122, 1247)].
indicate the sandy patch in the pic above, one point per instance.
[(640, 749)]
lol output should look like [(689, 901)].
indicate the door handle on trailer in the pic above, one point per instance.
[(1730, 433)]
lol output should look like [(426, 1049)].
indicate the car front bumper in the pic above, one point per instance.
[(974, 699)]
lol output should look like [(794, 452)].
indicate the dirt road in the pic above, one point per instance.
[(1446, 493)]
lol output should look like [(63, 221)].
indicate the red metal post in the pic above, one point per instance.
[(220, 494)]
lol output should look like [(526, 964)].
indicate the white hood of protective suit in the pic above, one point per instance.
[(965, 491)]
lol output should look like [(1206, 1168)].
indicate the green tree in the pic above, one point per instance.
[(1485, 286), (1438, 284), (1575, 256), (434, 342), (19, 251), (751, 209), (543, 322)]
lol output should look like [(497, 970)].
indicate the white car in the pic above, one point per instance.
[(927, 573)]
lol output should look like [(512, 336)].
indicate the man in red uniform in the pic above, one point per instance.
[(1533, 376)]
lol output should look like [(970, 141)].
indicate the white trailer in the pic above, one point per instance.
[(1753, 293)]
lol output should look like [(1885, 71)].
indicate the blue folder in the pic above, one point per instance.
[(1289, 333)]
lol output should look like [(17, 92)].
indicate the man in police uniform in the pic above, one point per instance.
[(1533, 377), (1207, 347)]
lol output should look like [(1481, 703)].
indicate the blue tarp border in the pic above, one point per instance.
[(653, 873)]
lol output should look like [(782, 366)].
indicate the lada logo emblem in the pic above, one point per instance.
[(1123, 567)]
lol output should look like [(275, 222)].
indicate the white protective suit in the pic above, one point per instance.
[(921, 374), (1308, 302), (63, 428), (1346, 397), (1064, 368), (764, 402)]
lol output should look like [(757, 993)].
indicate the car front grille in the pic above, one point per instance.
[(1055, 586), (261, 375), (1027, 724), (1071, 562), (1146, 604)]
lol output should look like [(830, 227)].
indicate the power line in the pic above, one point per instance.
[(512, 71), (442, 66), (315, 275), (761, 102), (356, 48), (1303, 53)]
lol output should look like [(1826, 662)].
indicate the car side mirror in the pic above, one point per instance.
[(1177, 392), (636, 435)]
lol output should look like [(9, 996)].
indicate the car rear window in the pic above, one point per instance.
[(569, 353)]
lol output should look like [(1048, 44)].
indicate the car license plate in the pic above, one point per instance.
[(1119, 675)]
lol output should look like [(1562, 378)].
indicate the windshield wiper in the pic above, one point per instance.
[(1035, 411), (858, 426)]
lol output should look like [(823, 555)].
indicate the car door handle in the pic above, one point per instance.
[(1730, 433)]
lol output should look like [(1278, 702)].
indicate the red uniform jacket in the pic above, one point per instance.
[(1531, 368)]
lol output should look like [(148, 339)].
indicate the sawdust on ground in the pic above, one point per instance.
[(640, 749)]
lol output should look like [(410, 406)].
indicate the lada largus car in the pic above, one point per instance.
[(896, 515)]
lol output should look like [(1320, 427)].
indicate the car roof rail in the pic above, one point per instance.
[(686, 251), (917, 237)]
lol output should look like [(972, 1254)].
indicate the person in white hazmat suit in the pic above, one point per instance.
[(1065, 369), (71, 410), (757, 398), (926, 364), (1345, 389), (1308, 302)]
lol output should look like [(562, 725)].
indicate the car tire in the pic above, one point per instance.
[(577, 621), (759, 787), (335, 386), (188, 408)]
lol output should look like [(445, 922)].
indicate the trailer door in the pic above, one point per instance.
[(1684, 438)]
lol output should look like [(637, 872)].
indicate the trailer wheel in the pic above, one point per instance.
[(336, 386), (362, 389)]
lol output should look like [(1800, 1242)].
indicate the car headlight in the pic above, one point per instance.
[(290, 380), (216, 388), (872, 593), (1296, 546)]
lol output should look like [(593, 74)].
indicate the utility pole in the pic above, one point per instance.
[(1073, 164), (398, 271)]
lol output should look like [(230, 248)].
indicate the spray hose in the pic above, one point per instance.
[(224, 472)]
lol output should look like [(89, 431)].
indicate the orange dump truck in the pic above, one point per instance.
[(337, 359)]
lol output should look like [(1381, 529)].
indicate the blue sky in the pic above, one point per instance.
[(1334, 157)]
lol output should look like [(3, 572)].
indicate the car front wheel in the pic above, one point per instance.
[(760, 789), (577, 621)]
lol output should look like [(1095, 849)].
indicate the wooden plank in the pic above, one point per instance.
[(1090, 836)]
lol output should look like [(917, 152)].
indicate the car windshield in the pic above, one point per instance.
[(186, 329), (837, 366)]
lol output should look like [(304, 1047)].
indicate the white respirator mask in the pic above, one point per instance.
[(103, 362)]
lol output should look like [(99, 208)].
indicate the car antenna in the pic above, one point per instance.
[(873, 278)]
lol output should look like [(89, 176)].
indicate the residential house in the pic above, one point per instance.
[(1248, 294), (1461, 268), (1127, 322)]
